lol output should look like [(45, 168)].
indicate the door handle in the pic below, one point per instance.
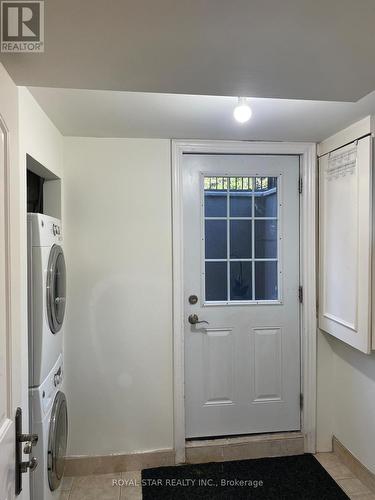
[(194, 320), (30, 464), (29, 441)]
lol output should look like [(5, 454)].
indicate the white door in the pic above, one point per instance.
[(241, 276), (10, 349)]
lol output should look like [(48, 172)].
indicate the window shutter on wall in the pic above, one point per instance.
[(345, 235)]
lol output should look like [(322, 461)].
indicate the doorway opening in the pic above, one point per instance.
[(244, 244)]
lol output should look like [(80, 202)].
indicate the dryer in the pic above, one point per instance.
[(50, 422), (47, 294)]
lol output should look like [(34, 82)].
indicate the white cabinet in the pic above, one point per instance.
[(345, 243)]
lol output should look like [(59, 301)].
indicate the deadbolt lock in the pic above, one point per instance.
[(193, 299)]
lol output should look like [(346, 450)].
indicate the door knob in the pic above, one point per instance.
[(194, 320)]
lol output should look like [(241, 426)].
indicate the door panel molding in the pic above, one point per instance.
[(218, 386), (267, 386), (307, 152)]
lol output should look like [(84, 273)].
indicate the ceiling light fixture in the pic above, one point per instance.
[(242, 112)]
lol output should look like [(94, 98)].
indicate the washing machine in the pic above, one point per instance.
[(50, 422), (47, 294)]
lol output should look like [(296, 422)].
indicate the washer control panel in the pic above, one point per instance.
[(44, 230), (52, 384)]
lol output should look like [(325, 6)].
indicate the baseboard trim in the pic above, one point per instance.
[(353, 464), (200, 451), (88, 465)]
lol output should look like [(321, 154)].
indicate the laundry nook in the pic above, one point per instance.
[(47, 295)]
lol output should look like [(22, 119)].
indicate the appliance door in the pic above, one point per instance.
[(56, 288), (57, 441)]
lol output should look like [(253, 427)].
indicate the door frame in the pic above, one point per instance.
[(308, 239)]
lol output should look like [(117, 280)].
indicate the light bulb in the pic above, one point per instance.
[(242, 112)]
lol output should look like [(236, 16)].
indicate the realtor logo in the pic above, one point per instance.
[(22, 26)]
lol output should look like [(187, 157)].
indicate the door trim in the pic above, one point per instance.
[(307, 152)]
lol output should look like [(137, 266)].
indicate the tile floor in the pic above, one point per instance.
[(103, 487), (106, 487)]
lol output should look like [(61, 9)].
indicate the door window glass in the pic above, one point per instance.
[(266, 280), (241, 239), (216, 239), (265, 239), (241, 280), (216, 281)]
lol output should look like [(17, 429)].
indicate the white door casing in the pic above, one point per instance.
[(308, 310), (10, 357), (241, 258)]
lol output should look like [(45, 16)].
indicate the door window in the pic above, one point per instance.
[(241, 239)]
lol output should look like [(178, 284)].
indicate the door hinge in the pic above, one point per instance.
[(300, 294), (301, 401), (300, 185)]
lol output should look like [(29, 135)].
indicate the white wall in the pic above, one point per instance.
[(354, 401), (324, 412), (346, 399), (118, 338), (38, 135), (42, 140)]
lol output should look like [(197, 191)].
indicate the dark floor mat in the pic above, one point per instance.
[(299, 477)]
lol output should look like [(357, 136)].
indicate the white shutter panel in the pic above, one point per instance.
[(345, 234)]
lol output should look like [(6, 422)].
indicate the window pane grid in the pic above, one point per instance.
[(250, 276)]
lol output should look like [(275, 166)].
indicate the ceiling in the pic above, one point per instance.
[(94, 113), (291, 49)]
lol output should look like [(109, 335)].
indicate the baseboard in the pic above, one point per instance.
[(87, 465), (212, 450), (353, 464)]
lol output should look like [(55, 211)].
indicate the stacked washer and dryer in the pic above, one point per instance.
[(48, 408)]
